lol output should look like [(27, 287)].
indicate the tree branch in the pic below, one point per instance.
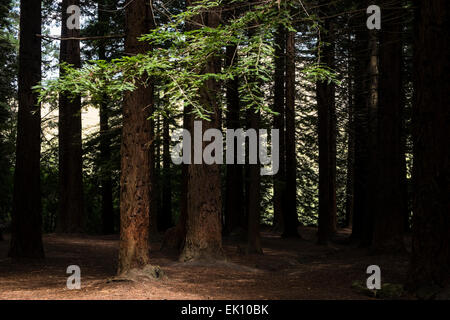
[(81, 38)]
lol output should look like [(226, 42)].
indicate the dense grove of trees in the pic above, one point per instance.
[(361, 113)]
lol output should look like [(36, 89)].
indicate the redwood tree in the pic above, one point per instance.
[(360, 124), (430, 264), (70, 211), (135, 187), (372, 141), (105, 140), (26, 233), (166, 179), (234, 192), (349, 188), (325, 92), (204, 201), (254, 192), (389, 217), (279, 180), (254, 176), (290, 200)]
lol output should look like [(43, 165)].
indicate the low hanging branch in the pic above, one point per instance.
[(113, 36)]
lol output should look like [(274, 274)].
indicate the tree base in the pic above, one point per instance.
[(207, 256), (173, 239), (147, 273)]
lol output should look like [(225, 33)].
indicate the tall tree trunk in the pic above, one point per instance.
[(327, 141), (234, 193), (389, 218), (71, 209), (106, 180), (26, 229), (204, 199), (361, 123), (135, 193), (290, 203), (174, 238), (166, 179), (430, 264), (105, 141), (254, 193), (279, 180), (349, 201), (372, 107), (254, 175), (155, 173)]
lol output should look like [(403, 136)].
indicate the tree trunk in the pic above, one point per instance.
[(361, 123), (327, 141), (290, 203), (26, 229), (105, 141), (349, 204), (234, 192), (174, 238), (166, 181), (254, 193), (372, 107), (254, 175), (204, 199), (106, 181), (389, 218), (135, 193), (154, 174), (71, 210), (279, 181), (430, 264)]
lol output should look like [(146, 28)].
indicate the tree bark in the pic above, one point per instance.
[(106, 181), (361, 134), (166, 180), (234, 193), (372, 107), (71, 209), (174, 238), (105, 141), (389, 218), (349, 190), (135, 193), (290, 207), (26, 228), (254, 193), (279, 181), (204, 200), (155, 174), (430, 263), (327, 141), (254, 176)]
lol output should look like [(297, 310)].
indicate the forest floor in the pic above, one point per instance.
[(289, 269)]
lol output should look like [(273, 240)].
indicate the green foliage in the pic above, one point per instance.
[(179, 58), (181, 49)]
